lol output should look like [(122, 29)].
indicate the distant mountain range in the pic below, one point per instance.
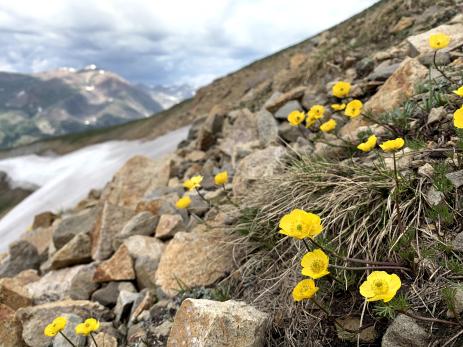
[(67, 100)]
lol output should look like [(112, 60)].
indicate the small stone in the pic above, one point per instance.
[(402, 24), (169, 225), (144, 301), (77, 251), (436, 115), (118, 268), (43, 220), (107, 296), (162, 330), (278, 100), (288, 132), (403, 160), (287, 108), (201, 322), (21, 256), (367, 335), (13, 294), (104, 340), (144, 223), (196, 155), (426, 170), (124, 305), (404, 331), (267, 128), (383, 71), (456, 178), (434, 197), (457, 243)]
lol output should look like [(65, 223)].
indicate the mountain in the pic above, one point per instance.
[(67, 100)]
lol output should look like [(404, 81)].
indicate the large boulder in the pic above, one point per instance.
[(201, 322), (77, 251), (194, 259), (405, 332), (267, 128), (259, 164), (118, 268), (21, 256), (243, 130), (420, 42), (35, 318), (139, 175), (10, 328), (144, 223)]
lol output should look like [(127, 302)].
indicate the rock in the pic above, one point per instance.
[(40, 238), (27, 276), (10, 328), (77, 251), (436, 115), (196, 156), (35, 318), (111, 221), (194, 259), (267, 128), (405, 332), (207, 134), (43, 220), (258, 165), (147, 252), (104, 340), (200, 322), (278, 100), (456, 178), (288, 132), (367, 335), (21, 256), (403, 160), (434, 197), (144, 223), (157, 206), (74, 283), (243, 130), (169, 224), (420, 42), (13, 294), (118, 268), (69, 331), (124, 305), (457, 243), (402, 24), (383, 71), (139, 175), (107, 296), (331, 149), (283, 112), (364, 66), (457, 303), (67, 228), (162, 330), (426, 170), (442, 58), (143, 302)]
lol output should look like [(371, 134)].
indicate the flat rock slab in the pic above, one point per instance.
[(118, 268), (420, 42)]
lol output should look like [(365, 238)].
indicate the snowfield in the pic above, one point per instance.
[(63, 181)]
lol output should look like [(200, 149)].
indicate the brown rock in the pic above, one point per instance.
[(105, 340), (13, 293), (40, 238), (195, 259), (76, 251), (293, 94), (402, 24), (10, 328), (43, 220), (118, 268), (243, 130), (367, 335), (112, 220), (139, 175), (201, 322), (27, 276), (168, 225)]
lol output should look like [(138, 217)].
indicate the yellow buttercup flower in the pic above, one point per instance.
[(392, 145), (353, 108), (300, 224), (316, 112), (369, 144), (183, 202), (459, 91), (341, 89), (310, 120), (439, 41), (458, 118), (380, 286), (338, 107), (315, 264), (89, 326), (296, 117), (328, 126), (221, 178), (193, 182), (58, 324), (305, 289)]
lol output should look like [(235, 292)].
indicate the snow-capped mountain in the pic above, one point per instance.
[(168, 96)]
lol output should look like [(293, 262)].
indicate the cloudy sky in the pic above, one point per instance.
[(159, 41)]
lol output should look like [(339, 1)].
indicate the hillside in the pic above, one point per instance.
[(316, 201)]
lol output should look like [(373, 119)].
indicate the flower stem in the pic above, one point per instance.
[(374, 267), (203, 197), (200, 220), (427, 319), (228, 197), (438, 69), (396, 203), (93, 338), (67, 339), (386, 125)]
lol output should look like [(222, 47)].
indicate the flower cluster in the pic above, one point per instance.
[(85, 328)]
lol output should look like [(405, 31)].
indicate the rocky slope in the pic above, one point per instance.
[(221, 275)]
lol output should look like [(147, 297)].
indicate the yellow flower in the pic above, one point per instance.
[(439, 41), (300, 224), (310, 120), (58, 324), (459, 91), (193, 182), (392, 145), (221, 178), (458, 118), (380, 286), (315, 264), (90, 325), (341, 89), (183, 202), (338, 107), (353, 108), (369, 144), (328, 126), (296, 117), (305, 289), (316, 112)]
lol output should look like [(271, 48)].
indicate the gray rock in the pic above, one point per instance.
[(244, 129), (364, 66), (456, 178), (124, 305), (21, 256), (69, 331), (67, 228), (457, 243), (436, 115), (287, 108), (383, 71), (144, 223), (207, 133), (288, 132), (77, 251), (267, 127), (107, 296), (169, 225), (426, 170), (405, 332), (434, 197)]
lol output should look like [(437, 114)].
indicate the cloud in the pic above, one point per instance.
[(159, 41)]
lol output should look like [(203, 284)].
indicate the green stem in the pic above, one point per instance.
[(392, 128), (427, 319), (93, 338), (203, 197), (438, 69), (397, 203), (228, 197), (67, 339)]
